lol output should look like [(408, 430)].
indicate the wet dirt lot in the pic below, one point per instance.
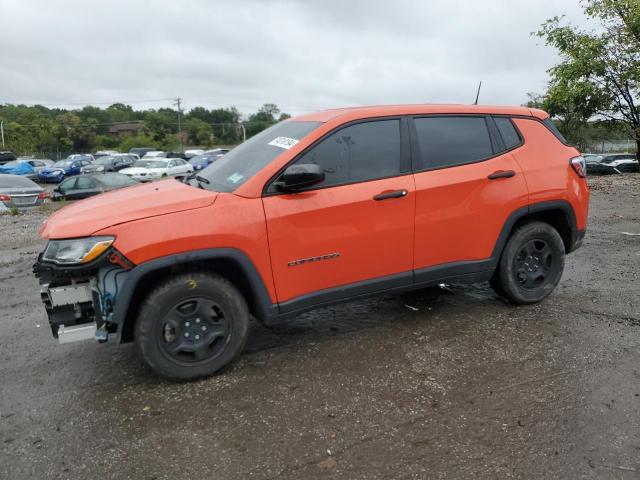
[(436, 384)]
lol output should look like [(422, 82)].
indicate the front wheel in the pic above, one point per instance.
[(191, 326), (531, 264)]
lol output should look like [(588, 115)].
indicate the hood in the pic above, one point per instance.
[(88, 216)]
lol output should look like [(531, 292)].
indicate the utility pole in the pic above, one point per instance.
[(177, 102), (2, 132)]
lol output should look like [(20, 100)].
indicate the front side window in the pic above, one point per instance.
[(248, 158), (357, 153), (450, 141)]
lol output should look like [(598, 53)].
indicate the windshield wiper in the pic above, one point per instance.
[(202, 180)]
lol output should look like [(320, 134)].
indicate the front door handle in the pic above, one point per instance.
[(388, 195), (501, 174)]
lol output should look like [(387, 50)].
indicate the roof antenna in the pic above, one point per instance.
[(478, 94)]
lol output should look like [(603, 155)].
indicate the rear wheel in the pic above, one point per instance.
[(531, 264), (191, 326)]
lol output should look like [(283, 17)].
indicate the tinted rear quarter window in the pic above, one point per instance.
[(552, 127), (508, 132), (450, 141), (360, 152)]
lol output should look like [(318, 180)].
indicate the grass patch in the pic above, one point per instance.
[(51, 207)]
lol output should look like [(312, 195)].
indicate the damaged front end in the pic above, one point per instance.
[(80, 280)]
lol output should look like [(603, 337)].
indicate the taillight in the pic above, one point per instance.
[(4, 198), (43, 195), (579, 165)]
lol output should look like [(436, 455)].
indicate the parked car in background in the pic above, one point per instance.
[(193, 152), (20, 192), (141, 151), (200, 162), (17, 167), (110, 163), (154, 154), (83, 186), (7, 156), (104, 153), (217, 151), (64, 168), (148, 169), (38, 165), (613, 163), (176, 155)]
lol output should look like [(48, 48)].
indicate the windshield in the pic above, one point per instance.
[(80, 157), (243, 162), (150, 164), (62, 163), (16, 181)]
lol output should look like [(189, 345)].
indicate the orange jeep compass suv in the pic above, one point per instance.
[(316, 210)]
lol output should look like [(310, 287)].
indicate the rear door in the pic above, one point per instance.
[(353, 233), (467, 185)]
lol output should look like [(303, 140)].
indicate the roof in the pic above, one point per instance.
[(352, 113)]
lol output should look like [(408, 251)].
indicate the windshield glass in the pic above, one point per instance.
[(80, 157), (16, 181), (62, 163), (150, 164), (15, 163), (243, 162)]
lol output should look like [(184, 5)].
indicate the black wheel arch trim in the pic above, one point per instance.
[(264, 307), (540, 207)]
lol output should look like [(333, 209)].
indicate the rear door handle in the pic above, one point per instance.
[(388, 195), (501, 174)]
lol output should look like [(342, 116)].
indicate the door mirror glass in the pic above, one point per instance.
[(297, 177)]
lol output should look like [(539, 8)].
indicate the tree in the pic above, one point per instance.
[(599, 74), (199, 132)]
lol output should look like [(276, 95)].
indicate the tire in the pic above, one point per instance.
[(531, 264), (191, 326)]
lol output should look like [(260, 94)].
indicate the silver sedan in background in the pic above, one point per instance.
[(19, 192)]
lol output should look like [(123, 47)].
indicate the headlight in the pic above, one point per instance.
[(77, 250), (100, 168), (57, 172)]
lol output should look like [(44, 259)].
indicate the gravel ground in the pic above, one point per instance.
[(436, 384)]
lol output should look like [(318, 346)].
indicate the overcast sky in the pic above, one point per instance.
[(301, 55)]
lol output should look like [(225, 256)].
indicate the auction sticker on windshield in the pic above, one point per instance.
[(283, 142)]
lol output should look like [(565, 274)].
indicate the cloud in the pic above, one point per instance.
[(302, 56)]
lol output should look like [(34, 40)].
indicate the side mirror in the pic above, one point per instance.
[(297, 177), (58, 190)]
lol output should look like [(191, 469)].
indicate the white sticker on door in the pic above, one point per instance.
[(283, 142)]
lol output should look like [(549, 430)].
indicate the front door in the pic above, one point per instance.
[(352, 233)]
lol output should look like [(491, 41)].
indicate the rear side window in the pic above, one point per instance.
[(85, 182), (360, 152), (552, 126), (508, 132), (450, 141)]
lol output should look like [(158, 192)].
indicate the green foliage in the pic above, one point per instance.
[(599, 72), (56, 132)]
